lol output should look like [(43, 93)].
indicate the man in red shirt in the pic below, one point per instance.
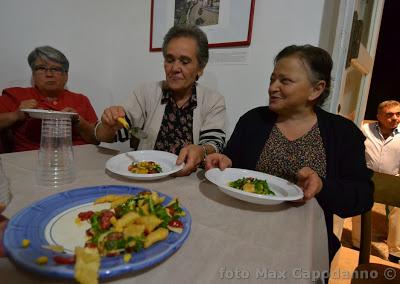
[(49, 76)]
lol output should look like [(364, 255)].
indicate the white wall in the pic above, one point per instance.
[(107, 44)]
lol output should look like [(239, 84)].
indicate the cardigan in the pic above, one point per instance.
[(145, 110), (347, 189)]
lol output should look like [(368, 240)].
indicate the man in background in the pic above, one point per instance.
[(382, 150)]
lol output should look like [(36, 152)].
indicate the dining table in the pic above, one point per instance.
[(230, 240)]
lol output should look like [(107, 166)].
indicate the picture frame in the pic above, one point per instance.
[(226, 22)]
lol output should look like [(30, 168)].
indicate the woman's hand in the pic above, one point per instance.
[(110, 116), (69, 109), (19, 115), (310, 182), (217, 161), (192, 155), (32, 103), (105, 132), (3, 224)]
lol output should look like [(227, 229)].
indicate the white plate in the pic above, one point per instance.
[(119, 164), (45, 113), (283, 189)]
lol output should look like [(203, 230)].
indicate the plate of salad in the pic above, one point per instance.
[(144, 164), (255, 187), (42, 237)]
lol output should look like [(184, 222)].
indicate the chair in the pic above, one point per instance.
[(387, 191)]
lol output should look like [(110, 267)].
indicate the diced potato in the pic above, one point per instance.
[(145, 209), (133, 230), (156, 236), (107, 198), (150, 222), (120, 201), (156, 198), (141, 171), (87, 265), (125, 220)]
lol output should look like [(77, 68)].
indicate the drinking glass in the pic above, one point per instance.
[(5, 194), (56, 157)]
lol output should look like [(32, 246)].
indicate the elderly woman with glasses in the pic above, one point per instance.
[(49, 77), (177, 114)]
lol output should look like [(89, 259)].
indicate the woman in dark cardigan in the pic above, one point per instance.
[(295, 139)]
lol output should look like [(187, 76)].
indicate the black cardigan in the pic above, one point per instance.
[(347, 189)]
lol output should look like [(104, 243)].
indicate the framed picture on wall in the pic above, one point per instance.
[(226, 22)]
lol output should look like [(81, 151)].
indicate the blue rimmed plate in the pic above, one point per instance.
[(52, 221)]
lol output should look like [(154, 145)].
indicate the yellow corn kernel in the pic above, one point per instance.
[(127, 257), (42, 260), (25, 243)]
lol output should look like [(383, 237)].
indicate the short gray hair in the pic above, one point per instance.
[(193, 32), (48, 53), (391, 103)]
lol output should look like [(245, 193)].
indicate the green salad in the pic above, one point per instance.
[(250, 184)]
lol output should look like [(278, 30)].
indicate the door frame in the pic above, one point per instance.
[(340, 50)]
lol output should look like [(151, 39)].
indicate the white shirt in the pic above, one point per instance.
[(382, 155)]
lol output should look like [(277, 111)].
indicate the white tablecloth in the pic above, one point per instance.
[(230, 240)]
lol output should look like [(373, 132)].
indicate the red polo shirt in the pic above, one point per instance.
[(27, 133)]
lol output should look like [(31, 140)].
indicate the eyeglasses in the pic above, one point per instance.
[(44, 70)]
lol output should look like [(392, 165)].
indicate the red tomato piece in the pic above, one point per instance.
[(171, 210), (85, 215), (175, 224), (105, 217), (90, 245), (64, 259)]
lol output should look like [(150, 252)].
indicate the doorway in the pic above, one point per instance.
[(354, 51), (386, 75)]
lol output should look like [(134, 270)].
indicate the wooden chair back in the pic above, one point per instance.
[(387, 191)]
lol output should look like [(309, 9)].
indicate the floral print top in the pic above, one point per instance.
[(176, 130), (284, 158)]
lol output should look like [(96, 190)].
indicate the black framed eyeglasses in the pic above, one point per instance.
[(44, 70)]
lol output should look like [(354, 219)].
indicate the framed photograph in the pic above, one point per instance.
[(226, 22)]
